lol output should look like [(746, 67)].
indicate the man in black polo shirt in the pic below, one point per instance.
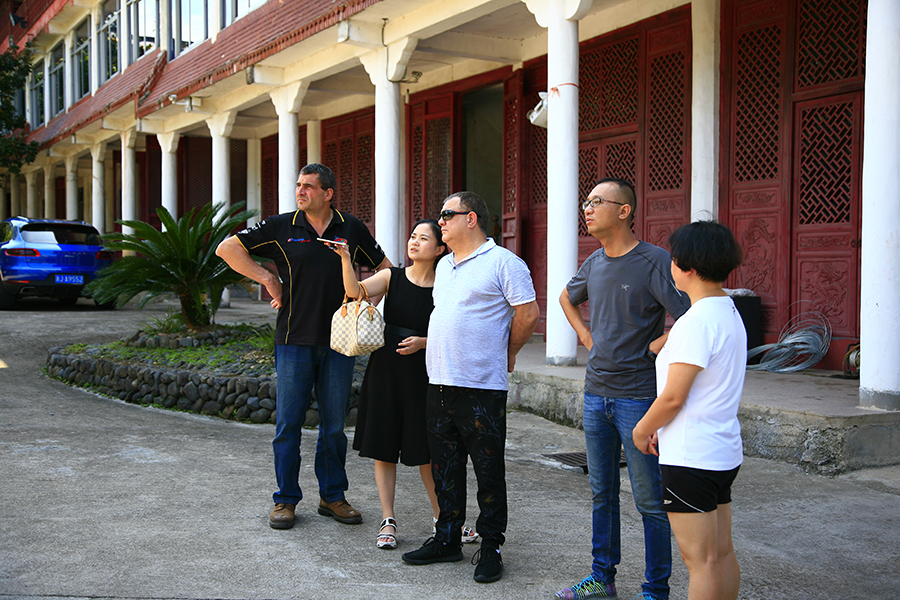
[(308, 289)]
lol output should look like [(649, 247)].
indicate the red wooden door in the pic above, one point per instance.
[(514, 208), (349, 150), (433, 155), (826, 228), (791, 155)]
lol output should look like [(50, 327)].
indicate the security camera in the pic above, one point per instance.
[(173, 97)]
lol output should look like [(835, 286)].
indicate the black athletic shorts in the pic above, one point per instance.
[(686, 489)]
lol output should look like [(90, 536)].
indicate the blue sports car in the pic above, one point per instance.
[(42, 257)]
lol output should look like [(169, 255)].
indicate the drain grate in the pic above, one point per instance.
[(573, 459), (578, 459)]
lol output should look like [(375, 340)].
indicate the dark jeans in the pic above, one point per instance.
[(463, 422), (300, 368)]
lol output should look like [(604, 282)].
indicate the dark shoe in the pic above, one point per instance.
[(490, 565), (282, 516), (340, 511), (433, 551)]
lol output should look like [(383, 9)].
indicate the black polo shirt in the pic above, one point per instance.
[(310, 272)]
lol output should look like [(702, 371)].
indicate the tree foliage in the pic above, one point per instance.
[(179, 260), (15, 149)]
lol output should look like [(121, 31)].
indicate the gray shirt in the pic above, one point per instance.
[(468, 334), (628, 297)]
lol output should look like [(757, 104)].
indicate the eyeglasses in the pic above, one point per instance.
[(448, 214), (596, 201)]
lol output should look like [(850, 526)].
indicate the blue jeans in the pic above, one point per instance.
[(608, 423), (298, 369)]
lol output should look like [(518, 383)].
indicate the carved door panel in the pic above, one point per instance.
[(348, 148), (433, 149), (513, 169), (826, 211)]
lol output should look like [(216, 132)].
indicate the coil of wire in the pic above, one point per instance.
[(803, 342)]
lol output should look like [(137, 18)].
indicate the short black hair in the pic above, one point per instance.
[(326, 176), (472, 202), (626, 189), (708, 247)]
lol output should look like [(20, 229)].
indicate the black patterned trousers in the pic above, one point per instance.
[(463, 422)]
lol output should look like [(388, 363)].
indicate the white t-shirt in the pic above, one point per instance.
[(706, 434)]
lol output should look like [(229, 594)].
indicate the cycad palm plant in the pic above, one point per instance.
[(181, 259)]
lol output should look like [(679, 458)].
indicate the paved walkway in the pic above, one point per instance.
[(102, 499)]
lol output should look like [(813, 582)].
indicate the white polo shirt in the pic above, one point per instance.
[(468, 334)]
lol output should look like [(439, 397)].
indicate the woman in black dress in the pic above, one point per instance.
[(390, 423)]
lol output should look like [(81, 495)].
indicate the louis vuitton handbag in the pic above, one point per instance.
[(357, 327)]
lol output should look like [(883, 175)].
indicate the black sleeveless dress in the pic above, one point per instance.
[(390, 422)]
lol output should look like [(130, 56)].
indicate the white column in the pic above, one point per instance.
[(168, 142), (84, 177), (705, 21), (220, 127), (50, 191), (314, 141), (385, 68), (879, 379), (287, 101), (31, 200), (109, 173), (15, 201), (254, 179), (561, 21), (71, 187), (129, 186), (98, 183)]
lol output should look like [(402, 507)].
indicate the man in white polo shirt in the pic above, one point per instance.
[(484, 312)]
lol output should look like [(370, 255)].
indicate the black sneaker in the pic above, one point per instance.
[(490, 565), (433, 551)]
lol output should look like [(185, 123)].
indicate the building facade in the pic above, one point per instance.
[(749, 111)]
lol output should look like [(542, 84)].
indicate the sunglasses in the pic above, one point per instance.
[(448, 214)]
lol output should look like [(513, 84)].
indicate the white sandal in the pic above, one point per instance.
[(387, 541), (469, 535)]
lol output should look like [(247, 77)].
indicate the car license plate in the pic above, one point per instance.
[(76, 279)]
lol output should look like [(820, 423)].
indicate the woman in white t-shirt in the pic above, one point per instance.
[(692, 425)]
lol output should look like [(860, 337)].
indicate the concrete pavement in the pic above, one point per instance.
[(102, 499)]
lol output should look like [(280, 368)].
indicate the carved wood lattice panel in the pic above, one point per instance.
[(365, 179), (418, 135), (511, 153), (608, 78), (438, 138), (828, 42), (666, 132), (826, 164), (758, 104)]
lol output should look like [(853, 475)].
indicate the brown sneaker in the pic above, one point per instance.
[(340, 511), (282, 516)]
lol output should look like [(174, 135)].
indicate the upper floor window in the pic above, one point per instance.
[(191, 23), (235, 9), (108, 35), (81, 61), (143, 33), (37, 95), (57, 79)]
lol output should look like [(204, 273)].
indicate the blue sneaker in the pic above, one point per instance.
[(588, 588)]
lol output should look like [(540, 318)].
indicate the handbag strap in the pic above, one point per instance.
[(365, 292)]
